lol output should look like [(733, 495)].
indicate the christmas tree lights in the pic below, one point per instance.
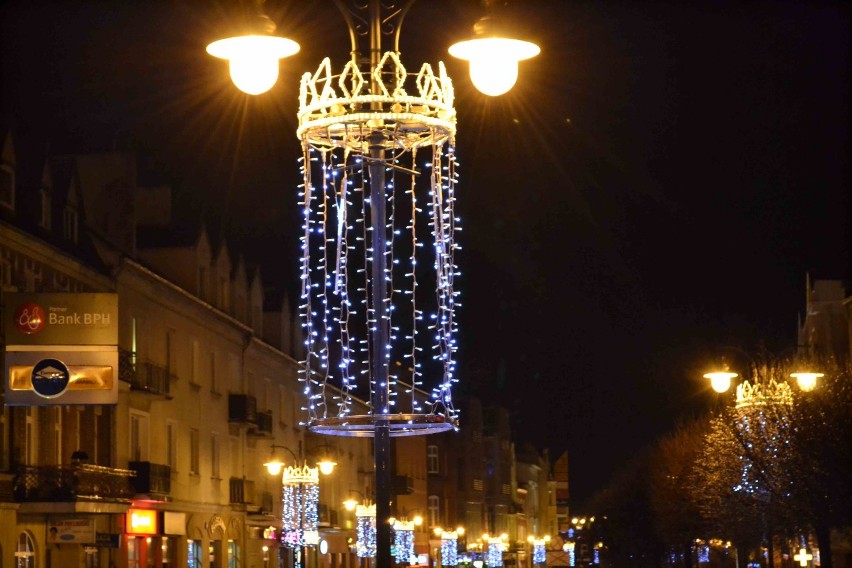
[(494, 552)]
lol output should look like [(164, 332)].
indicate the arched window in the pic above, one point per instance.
[(25, 556)]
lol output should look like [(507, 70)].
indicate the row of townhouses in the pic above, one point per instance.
[(198, 364)]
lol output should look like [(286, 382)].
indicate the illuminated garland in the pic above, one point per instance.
[(449, 549), (539, 552), (403, 540), (299, 499), (418, 240), (366, 544), (494, 553)]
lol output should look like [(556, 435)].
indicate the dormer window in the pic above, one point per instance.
[(7, 186), (70, 224), (46, 204)]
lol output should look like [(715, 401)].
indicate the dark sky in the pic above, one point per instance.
[(657, 186)]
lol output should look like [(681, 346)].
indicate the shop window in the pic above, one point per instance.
[(193, 554), (233, 554)]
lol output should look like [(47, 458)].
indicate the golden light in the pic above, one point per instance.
[(460, 530), (807, 381), (485, 536), (530, 538), (326, 466), (494, 61), (720, 380), (574, 521), (274, 466), (438, 531), (391, 521), (418, 520), (504, 536), (547, 538), (253, 59), (350, 504)]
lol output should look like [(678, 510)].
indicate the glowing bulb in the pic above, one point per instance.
[(326, 466), (720, 380), (807, 381), (253, 59), (274, 466), (494, 61), (350, 504)]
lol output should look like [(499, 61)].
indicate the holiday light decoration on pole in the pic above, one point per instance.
[(539, 548), (366, 528), (494, 550), (378, 263), (299, 500), (403, 532)]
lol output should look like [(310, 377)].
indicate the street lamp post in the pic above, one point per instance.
[(357, 129)]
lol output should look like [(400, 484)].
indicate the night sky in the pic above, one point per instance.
[(655, 188)]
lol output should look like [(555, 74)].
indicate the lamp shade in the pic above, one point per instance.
[(720, 380), (494, 61), (253, 59), (806, 380)]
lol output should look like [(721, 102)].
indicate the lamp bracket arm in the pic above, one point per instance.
[(364, 16)]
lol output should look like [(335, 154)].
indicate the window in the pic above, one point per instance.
[(7, 186), (25, 551), (193, 451), (477, 485), (57, 435), (193, 554), (171, 445), (138, 436), (233, 554), (31, 450), (195, 371), (134, 340), (433, 511), (46, 205), (432, 460), (214, 376), (202, 282), (69, 224), (171, 352), (4, 451), (214, 456)]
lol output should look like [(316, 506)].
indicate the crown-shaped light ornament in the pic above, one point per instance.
[(758, 394)]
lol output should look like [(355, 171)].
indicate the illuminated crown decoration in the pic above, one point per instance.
[(773, 392), (294, 475), (358, 129)]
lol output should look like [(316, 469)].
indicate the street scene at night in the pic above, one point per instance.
[(374, 284)]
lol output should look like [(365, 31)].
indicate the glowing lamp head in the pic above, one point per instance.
[(806, 380), (494, 61), (253, 59), (274, 466), (326, 466), (350, 504), (720, 380)]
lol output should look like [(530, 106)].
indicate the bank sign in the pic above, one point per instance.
[(61, 349)]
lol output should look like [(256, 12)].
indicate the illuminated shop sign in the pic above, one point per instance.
[(142, 522)]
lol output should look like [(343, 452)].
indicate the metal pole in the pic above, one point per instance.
[(381, 436)]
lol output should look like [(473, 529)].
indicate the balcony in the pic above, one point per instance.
[(263, 429), (81, 482), (152, 479), (144, 376), (242, 491), (242, 409)]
